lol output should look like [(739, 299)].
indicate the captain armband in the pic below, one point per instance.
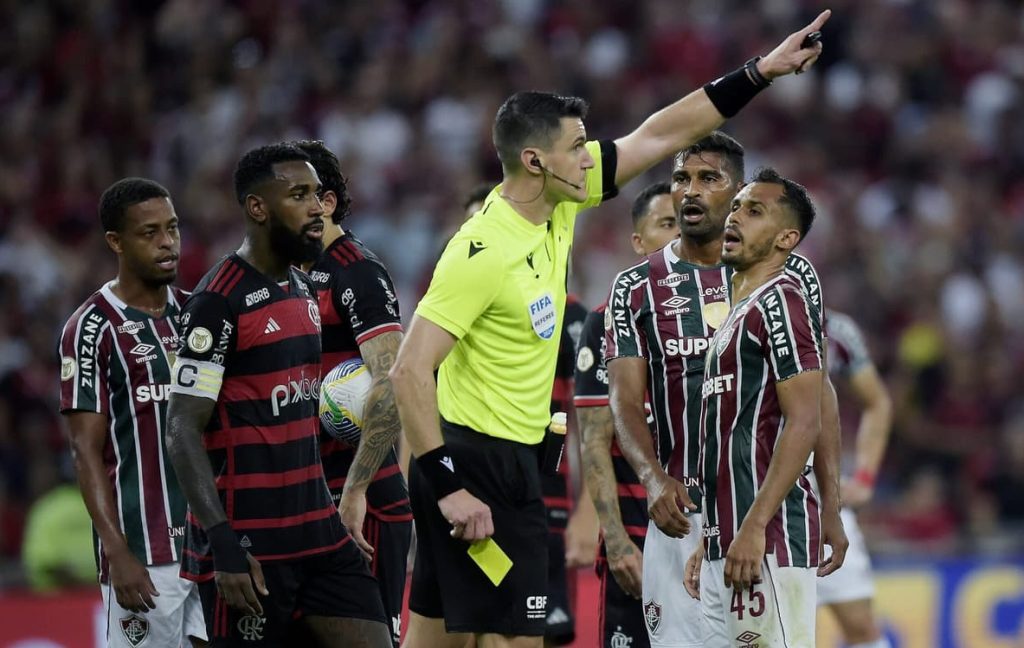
[(197, 378)]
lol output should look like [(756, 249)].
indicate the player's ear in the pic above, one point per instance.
[(256, 208), (637, 243), (787, 239), (114, 242), (329, 200)]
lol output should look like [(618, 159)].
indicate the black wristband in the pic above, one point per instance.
[(731, 92), (228, 555), (439, 469)]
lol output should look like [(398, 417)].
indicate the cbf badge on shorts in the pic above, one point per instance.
[(543, 316)]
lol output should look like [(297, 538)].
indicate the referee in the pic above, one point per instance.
[(489, 322)]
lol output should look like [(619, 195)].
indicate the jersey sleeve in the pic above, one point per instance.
[(591, 376), (623, 335), (466, 280), (844, 333), (85, 347), (792, 332), (366, 295), (206, 340), (601, 177), (801, 268)]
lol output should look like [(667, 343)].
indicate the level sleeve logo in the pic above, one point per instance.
[(543, 316), (200, 339)]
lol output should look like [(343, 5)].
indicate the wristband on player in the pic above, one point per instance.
[(731, 92), (439, 469), (228, 555), (864, 477)]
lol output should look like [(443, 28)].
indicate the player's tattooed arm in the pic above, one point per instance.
[(624, 557), (381, 428), (186, 419)]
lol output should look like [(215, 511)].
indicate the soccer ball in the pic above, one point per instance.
[(343, 394)]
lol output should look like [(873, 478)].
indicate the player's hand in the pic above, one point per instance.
[(691, 574), (352, 509), (626, 561), (470, 518), (788, 56), (239, 590), (129, 578), (855, 493), (666, 497), (744, 558), (581, 536), (833, 534)]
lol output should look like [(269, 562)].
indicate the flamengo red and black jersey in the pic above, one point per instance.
[(665, 310), (769, 337), (556, 488), (357, 303), (116, 361), (253, 345), (591, 384)]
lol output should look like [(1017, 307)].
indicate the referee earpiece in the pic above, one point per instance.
[(536, 163)]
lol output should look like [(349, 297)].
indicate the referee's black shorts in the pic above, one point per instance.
[(446, 582)]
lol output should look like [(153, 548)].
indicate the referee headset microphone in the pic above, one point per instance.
[(536, 162)]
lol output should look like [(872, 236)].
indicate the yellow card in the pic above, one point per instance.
[(491, 559)]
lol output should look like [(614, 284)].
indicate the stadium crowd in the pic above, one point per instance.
[(908, 144)]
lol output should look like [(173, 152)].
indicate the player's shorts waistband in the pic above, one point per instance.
[(456, 434)]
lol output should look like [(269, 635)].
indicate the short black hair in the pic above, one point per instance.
[(724, 145), (479, 193), (530, 119), (794, 196), (327, 166), (642, 203), (124, 193), (257, 166)]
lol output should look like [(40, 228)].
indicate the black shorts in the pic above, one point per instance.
[(445, 581), (560, 627), (334, 584), (390, 541), (622, 616)]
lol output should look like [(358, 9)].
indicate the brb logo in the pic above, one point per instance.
[(536, 607), (295, 391)]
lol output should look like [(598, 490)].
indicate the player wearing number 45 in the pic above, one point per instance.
[(116, 356), (760, 419)]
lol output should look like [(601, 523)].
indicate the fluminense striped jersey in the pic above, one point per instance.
[(769, 337), (592, 391), (357, 303), (665, 310), (116, 361), (253, 346), (847, 351)]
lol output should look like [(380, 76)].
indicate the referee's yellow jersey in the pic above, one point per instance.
[(499, 288)]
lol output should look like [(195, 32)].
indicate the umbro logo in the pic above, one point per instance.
[(448, 463), (676, 301), (142, 349), (475, 247), (272, 327), (747, 639)]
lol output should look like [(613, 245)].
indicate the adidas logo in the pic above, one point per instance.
[(448, 463), (272, 327), (557, 616), (245, 541)]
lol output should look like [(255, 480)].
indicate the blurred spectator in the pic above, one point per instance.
[(911, 146), (58, 541)]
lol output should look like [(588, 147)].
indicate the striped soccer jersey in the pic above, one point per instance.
[(253, 345), (665, 310), (116, 361), (771, 336), (357, 303), (592, 391)]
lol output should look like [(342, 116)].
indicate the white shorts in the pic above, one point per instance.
[(853, 581), (178, 614), (673, 618), (779, 612)]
